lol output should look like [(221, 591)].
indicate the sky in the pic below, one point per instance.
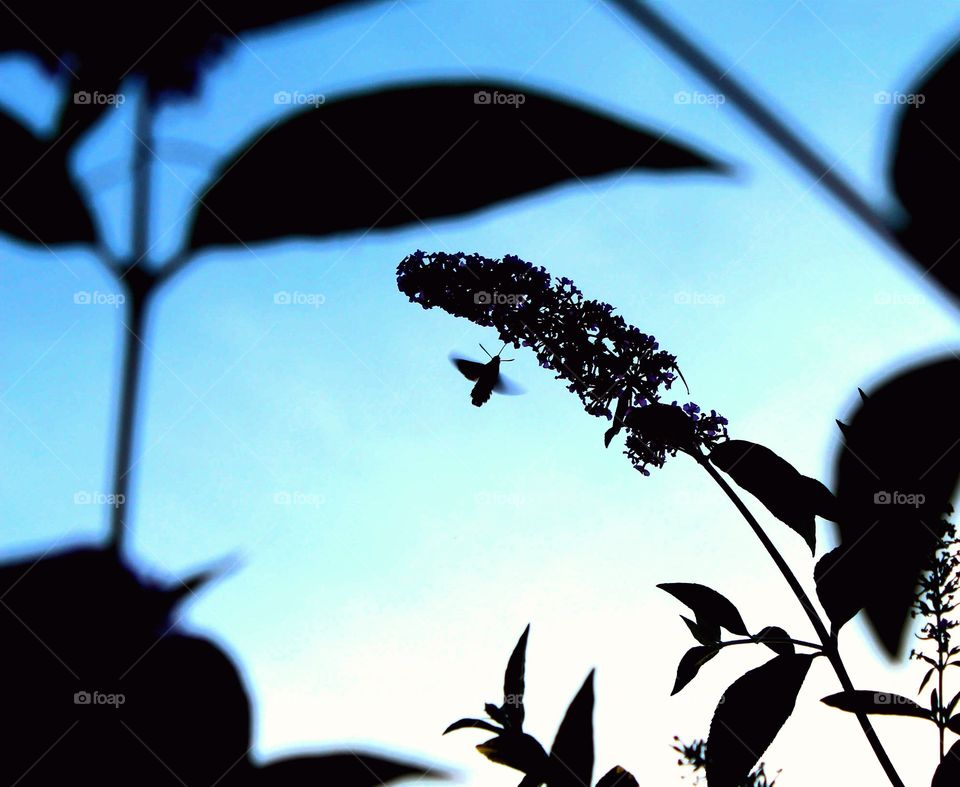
[(391, 541)]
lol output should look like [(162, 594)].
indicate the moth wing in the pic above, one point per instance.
[(469, 369)]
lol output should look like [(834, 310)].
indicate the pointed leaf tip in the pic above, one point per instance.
[(710, 607)]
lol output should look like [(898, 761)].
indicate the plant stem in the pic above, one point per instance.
[(772, 641), (830, 648), (138, 283)]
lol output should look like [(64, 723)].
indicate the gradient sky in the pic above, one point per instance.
[(382, 603)]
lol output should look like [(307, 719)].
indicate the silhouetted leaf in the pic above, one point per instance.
[(953, 724), (768, 633), (948, 771), (477, 723), (571, 756), (709, 607), (792, 498), (618, 777), (705, 635), (663, 423), (168, 43), (840, 599), (516, 750), (750, 715), (877, 702), (349, 769), (38, 201), (925, 167), (513, 683), (690, 665), (895, 477), (407, 154)]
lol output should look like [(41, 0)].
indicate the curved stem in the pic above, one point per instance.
[(829, 641)]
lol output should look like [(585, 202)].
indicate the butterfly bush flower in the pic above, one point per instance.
[(616, 370)]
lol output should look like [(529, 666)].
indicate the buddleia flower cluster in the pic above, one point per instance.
[(618, 372)]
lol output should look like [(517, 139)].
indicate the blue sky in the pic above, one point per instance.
[(382, 603)]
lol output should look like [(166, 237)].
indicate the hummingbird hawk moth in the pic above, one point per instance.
[(486, 375)]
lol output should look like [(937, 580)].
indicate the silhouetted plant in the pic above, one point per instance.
[(159, 52), (570, 761), (602, 358)]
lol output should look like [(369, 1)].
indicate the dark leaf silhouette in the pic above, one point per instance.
[(618, 777), (793, 498), (690, 665), (38, 201), (710, 607), (877, 702), (840, 599), (769, 633), (750, 715), (925, 167), (407, 154), (705, 635), (166, 43), (513, 682), (475, 723), (948, 771), (516, 750), (953, 724), (571, 756), (356, 769), (895, 476)]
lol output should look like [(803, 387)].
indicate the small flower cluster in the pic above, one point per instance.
[(603, 360)]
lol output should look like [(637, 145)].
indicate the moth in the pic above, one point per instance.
[(486, 375)]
